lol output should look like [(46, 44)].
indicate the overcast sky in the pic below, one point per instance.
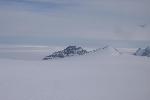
[(87, 19)]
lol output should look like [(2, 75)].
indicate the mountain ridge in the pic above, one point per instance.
[(78, 51)]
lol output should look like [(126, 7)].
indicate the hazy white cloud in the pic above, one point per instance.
[(97, 19)]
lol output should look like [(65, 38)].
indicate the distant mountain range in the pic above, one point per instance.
[(107, 50)]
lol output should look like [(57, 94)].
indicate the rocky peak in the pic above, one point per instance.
[(69, 51), (143, 52)]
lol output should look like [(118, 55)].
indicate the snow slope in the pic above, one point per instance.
[(108, 50), (89, 77)]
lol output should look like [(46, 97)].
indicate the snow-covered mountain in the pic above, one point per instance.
[(143, 52), (74, 51)]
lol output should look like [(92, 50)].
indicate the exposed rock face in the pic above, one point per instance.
[(69, 51), (143, 52)]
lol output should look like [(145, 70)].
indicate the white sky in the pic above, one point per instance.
[(91, 19)]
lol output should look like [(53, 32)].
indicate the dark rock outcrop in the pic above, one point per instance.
[(143, 52), (69, 51)]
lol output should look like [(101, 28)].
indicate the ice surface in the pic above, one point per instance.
[(26, 52), (89, 77)]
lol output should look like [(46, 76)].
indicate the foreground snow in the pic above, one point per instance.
[(90, 77)]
